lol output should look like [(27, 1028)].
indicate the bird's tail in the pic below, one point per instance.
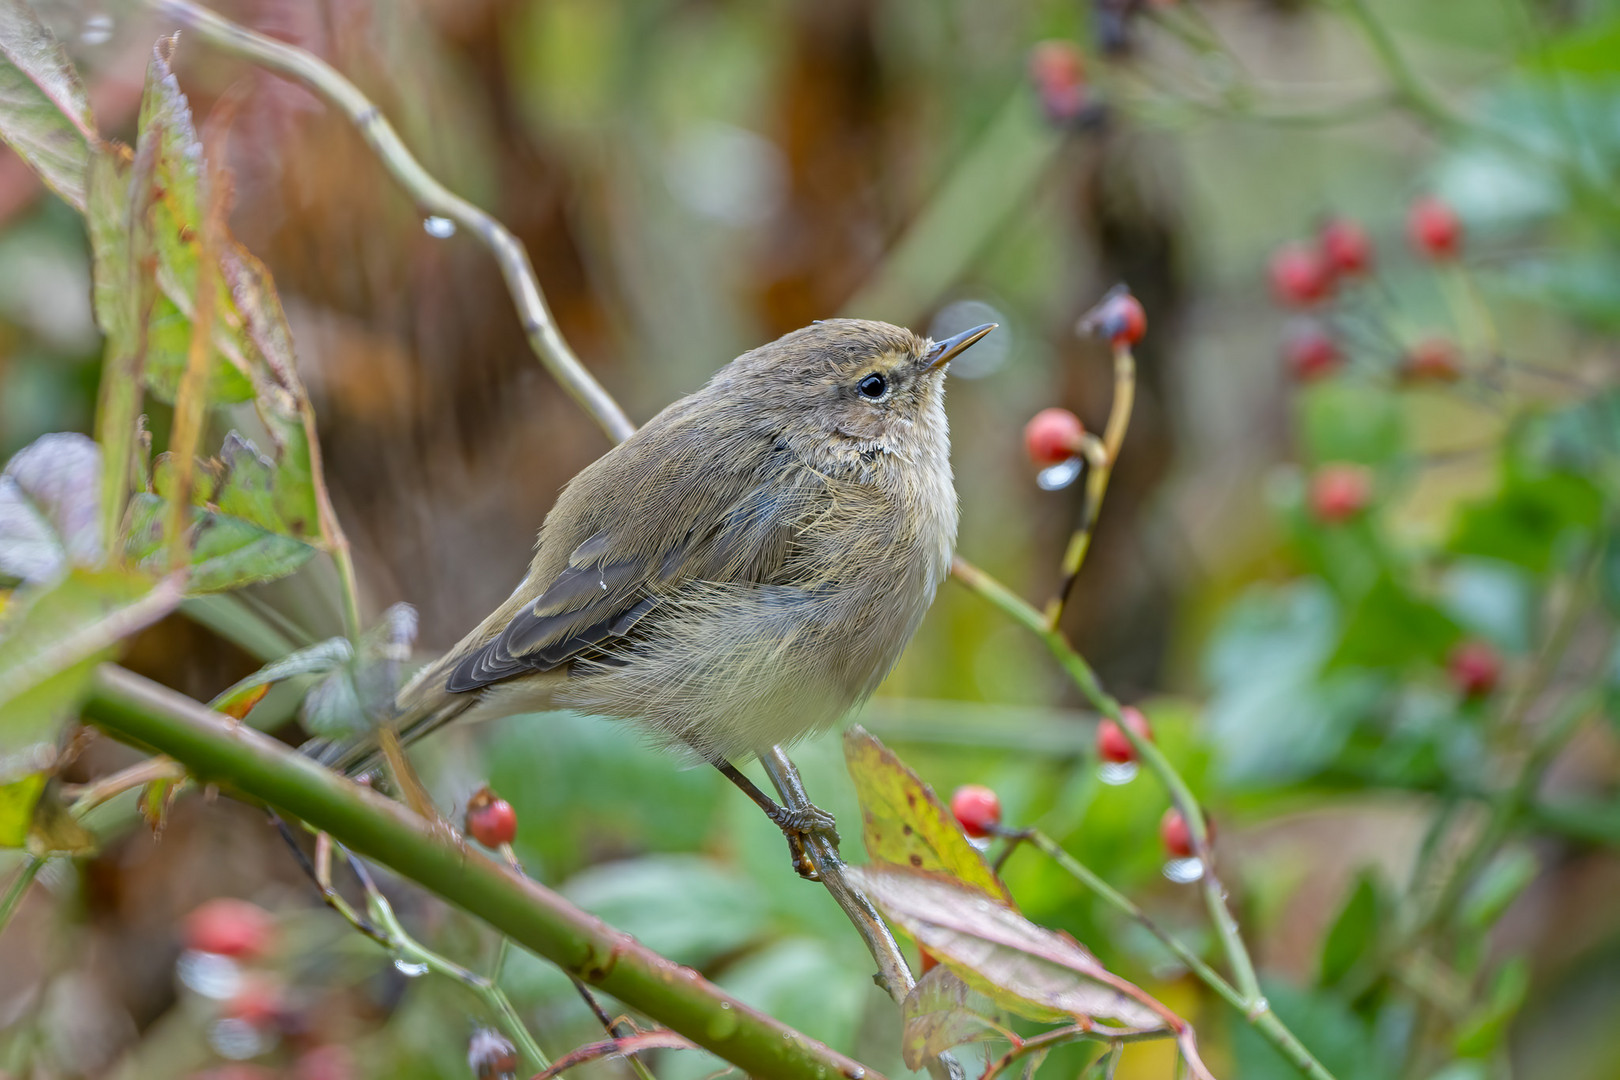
[(421, 707)]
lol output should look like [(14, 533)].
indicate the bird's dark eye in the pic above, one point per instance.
[(872, 386)]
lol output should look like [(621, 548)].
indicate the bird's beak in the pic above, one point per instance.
[(945, 351)]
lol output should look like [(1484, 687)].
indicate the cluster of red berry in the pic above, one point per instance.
[(977, 809), (245, 934), (1306, 276)]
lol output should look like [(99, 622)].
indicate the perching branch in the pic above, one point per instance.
[(236, 757)]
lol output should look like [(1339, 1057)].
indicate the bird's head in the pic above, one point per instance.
[(872, 385)]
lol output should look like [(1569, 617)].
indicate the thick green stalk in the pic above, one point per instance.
[(139, 711)]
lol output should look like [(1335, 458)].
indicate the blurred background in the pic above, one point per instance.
[(696, 177)]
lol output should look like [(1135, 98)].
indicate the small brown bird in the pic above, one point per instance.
[(742, 570)]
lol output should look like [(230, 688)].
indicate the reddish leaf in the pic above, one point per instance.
[(1027, 968)]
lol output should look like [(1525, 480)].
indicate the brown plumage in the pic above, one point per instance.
[(743, 569)]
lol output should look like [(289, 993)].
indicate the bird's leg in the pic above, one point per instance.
[(795, 824), (412, 791)]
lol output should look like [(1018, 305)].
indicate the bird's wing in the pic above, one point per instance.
[(615, 578)]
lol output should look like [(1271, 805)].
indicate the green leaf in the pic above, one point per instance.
[(359, 694), (1484, 1030), (49, 507), (17, 801), (1274, 715), (118, 294), (1343, 420), (905, 824), (51, 640), (315, 659), (1353, 937), (226, 552), (1391, 627), (1508, 875), (1026, 968), (53, 829), (44, 113), (703, 909), (1340, 1039), (942, 1011), (1533, 512)]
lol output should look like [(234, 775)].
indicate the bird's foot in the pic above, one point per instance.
[(800, 825)]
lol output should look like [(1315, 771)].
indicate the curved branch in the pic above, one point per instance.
[(430, 195), (235, 756)]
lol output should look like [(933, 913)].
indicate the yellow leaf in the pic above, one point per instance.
[(904, 823), (17, 801)]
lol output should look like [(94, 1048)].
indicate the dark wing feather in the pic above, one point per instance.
[(602, 594)]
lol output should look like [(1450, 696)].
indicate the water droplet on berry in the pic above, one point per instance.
[(1184, 871), (209, 974), (1059, 476), (1115, 773), (97, 30)]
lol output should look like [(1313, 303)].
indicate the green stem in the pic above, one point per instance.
[(1251, 1000), (141, 712), (1264, 1020), (1410, 90), (19, 885), (494, 998)]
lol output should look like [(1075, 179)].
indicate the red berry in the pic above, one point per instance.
[(490, 1055), (1177, 836), (1433, 228), (1299, 276), (1346, 248), (1121, 319), (328, 1062), (1057, 63), (1311, 353), (230, 927), (1052, 435), (1112, 745), (976, 809), (1475, 668), (257, 1002), (490, 819), (1340, 492), (1432, 360)]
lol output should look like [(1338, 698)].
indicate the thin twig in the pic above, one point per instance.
[(430, 195), (18, 887), (1099, 468), (1255, 1008), (89, 796)]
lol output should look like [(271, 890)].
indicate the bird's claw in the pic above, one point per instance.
[(798, 826)]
